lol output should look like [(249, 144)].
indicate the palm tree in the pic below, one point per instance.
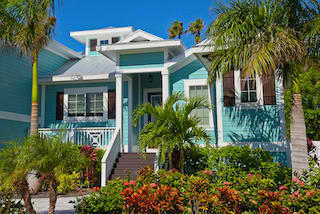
[(195, 28), (174, 128), (262, 36), (48, 156), (12, 175), (176, 29), (28, 25)]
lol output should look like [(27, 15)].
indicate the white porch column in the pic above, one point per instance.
[(43, 105), (119, 106), (165, 85)]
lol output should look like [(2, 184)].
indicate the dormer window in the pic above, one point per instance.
[(93, 44), (115, 39), (104, 42)]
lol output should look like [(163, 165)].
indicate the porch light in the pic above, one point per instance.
[(150, 78)]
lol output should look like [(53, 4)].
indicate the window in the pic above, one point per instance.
[(93, 44), (104, 42), (59, 106), (85, 104), (200, 111), (115, 39), (198, 87), (250, 91)]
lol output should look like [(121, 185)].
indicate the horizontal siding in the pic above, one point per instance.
[(12, 130), (193, 70), (142, 60), (51, 91), (257, 124), (16, 79), (48, 61)]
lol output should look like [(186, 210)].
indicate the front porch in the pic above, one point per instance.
[(99, 137)]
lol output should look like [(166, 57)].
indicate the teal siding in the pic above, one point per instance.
[(194, 70), (50, 109), (280, 157), (12, 130), (257, 124), (48, 61), (142, 60), (135, 103)]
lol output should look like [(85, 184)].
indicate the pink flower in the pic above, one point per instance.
[(96, 189), (282, 192), (210, 172), (249, 175), (132, 182), (164, 175), (153, 185), (182, 208), (183, 182), (235, 192), (295, 179), (226, 183), (283, 187), (254, 202), (126, 183), (301, 183), (292, 196), (296, 193), (308, 194), (204, 171), (294, 213), (245, 192)]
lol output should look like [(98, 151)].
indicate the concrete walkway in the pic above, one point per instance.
[(41, 205)]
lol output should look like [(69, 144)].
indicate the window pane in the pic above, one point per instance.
[(252, 84), (72, 105), (253, 96), (205, 91), (193, 91), (72, 97), (244, 96)]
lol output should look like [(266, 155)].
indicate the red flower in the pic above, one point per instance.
[(96, 189), (132, 182), (153, 185), (126, 183)]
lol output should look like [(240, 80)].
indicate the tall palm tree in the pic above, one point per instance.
[(262, 36), (176, 29), (48, 156), (28, 25), (195, 28), (12, 175), (174, 127)]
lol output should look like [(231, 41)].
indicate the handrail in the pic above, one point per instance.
[(110, 156)]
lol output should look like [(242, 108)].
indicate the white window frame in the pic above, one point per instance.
[(199, 82), (259, 90), (87, 90)]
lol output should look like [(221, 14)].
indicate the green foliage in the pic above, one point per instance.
[(196, 160), (7, 205), (310, 90), (107, 200), (67, 182), (174, 129), (176, 29)]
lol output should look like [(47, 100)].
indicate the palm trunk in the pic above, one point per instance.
[(25, 194), (181, 160), (299, 151), (52, 195), (34, 105)]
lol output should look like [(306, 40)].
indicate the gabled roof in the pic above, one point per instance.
[(89, 67), (63, 51), (139, 36)]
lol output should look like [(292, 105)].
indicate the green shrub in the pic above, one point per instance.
[(7, 205), (106, 200), (67, 182)]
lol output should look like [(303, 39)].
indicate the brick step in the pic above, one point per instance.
[(135, 155)]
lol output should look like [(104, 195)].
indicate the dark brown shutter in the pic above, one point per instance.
[(59, 106), (115, 39), (269, 91), (93, 44), (112, 104), (228, 89)]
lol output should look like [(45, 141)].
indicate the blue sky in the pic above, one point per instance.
[(153, 16)]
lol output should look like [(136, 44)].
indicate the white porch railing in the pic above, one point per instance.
[(109, 157), (98, 137)]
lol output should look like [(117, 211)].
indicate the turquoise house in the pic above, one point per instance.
[(91, 96)]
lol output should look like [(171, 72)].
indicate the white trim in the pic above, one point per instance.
[(130, 100), (199, 82), (79, 77), (173, 66), (5, 115), (142, 70), (43, 105), (55, 52), (219, 111), (85, 90), (237, 87), (281, 109), (119, 107), (140, 33), (139, 98)]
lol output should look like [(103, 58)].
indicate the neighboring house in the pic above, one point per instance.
[(92, 97)]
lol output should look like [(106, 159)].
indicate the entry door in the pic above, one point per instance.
[(155, 98)]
